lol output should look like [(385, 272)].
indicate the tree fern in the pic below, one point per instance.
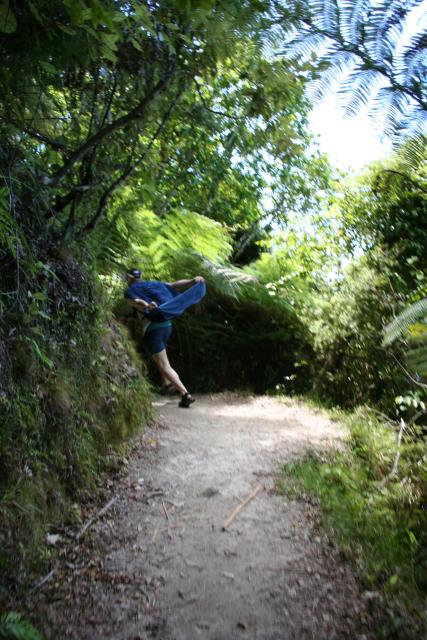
[(181, 245), (359, 43)]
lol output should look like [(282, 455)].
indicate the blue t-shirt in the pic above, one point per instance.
[(151, 291), (171, 303)]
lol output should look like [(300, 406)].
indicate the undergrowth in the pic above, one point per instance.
[(378, 519)]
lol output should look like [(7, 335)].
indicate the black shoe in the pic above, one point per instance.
[(186, 401)]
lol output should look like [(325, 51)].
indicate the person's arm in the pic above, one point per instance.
[(185, 283), (141, 305)]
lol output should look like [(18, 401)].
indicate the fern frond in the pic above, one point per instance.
[(388, 20), (373, 32), (415, 312), (334, 67), (358, 88), (358, 13), (413, 152), (224, 279), (307, 44), (8, 227), (414, 60), (416, 127), (330, 16), (395, 112)]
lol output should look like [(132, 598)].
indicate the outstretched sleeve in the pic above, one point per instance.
[(177, 305)]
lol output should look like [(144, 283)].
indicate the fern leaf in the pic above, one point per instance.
[(8, 228), (414, 60), (14, 627), (306, 44), (359, 11), (336, 66), (330, 16), (389, 18), (415, 312), (224, 279), (358, 88), (413, 152)]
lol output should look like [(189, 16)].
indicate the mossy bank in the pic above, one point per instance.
[(73, 390)]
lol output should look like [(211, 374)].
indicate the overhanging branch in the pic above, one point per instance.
[(98, 137), (130, 170)]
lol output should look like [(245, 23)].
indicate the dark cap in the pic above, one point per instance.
[(135, 273)]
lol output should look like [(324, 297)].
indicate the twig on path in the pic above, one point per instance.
[(152, 494), (234, 513), (165, 510), (86, 526), (94, 518), (304, 572), (157, 530), (189, 563), (43, 581)]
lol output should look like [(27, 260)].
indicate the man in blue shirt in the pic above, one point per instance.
[(150, 298)]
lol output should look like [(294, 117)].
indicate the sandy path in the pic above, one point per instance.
[(159, 565)]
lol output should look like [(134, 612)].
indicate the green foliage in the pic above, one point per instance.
[(95, 105), (347, 323), (14, 627), (248, 342), (217, 345), (135, 132), (387, 207), (379, 520), (380, 238), (171, 137)]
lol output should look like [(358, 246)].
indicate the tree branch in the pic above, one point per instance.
[(218, 113), (393, 471), (98, 137), (46, 140), (130, 169), (406, 177), (62, 201), (406, 372)]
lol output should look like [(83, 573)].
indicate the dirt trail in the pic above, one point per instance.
[(158, 564)]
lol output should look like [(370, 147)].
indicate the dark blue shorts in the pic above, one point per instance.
[(156, 337)]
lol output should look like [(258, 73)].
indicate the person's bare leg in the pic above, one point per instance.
[(161, 361)]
